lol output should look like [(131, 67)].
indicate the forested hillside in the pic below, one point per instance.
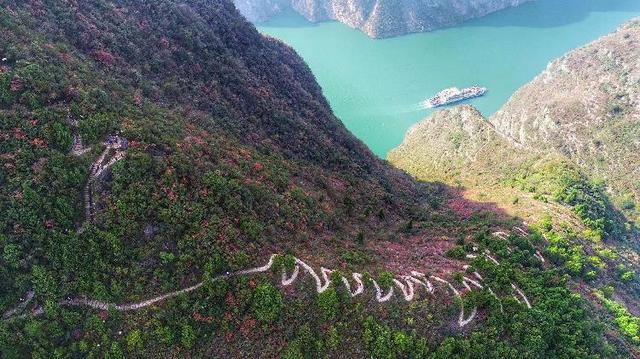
[(174, 184)]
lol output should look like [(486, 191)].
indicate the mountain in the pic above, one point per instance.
[(562, 152), (586, 107), (174, 184), (380, 18)]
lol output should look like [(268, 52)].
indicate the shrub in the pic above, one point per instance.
[(252, 229), (385, 280), (329, 303), (134, 340), (627, 276), (267, 303), (187, 336), (456, 252)]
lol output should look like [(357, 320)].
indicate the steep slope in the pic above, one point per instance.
[(586, 107), (174, 185), (568, 139), (382, 18)]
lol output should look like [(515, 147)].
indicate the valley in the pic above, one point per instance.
[(376, 87)]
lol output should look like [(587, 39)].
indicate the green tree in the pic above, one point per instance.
[(134, 340), (267, 303), (187, 336)]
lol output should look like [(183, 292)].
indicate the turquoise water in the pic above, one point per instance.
[(376, 86)]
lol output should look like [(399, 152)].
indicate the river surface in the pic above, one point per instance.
[(376, 87)]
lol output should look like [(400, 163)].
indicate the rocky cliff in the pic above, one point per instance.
[(261, 10), (382, 18)]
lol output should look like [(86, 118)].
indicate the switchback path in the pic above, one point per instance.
[(406, 285)]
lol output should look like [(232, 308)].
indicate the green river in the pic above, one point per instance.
[(376, 87)]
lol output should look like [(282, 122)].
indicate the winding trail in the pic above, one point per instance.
[(21, 306), (98, 167), (322, 283), (77, 146), (406, 285)]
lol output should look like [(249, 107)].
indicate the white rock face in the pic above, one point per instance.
[(260, 10), (380, 18)]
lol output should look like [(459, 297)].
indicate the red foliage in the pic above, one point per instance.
[(103, 315), (18, 134), (16, 84), (18, 196), (33, 122), (49, 224), (170, 192), (38, 142), (66, 57), (72, 92), (204, 192), (164, 42), (244, 154), (144, 25), (230, 300), (200, 318), (247, 326), (228, 336), (461, 207), (135, 144), (257, 167), (338, 184), (39, 165), (105, 57), (137, 98)]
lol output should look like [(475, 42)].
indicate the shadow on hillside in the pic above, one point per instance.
[(553, 13)]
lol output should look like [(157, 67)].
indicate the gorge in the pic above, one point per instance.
[(376, 86)]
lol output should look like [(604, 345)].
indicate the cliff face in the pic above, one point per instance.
[(261, 10), (383, 18)]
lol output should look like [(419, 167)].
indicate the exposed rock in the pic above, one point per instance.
[(261, 10), (380, 18)]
